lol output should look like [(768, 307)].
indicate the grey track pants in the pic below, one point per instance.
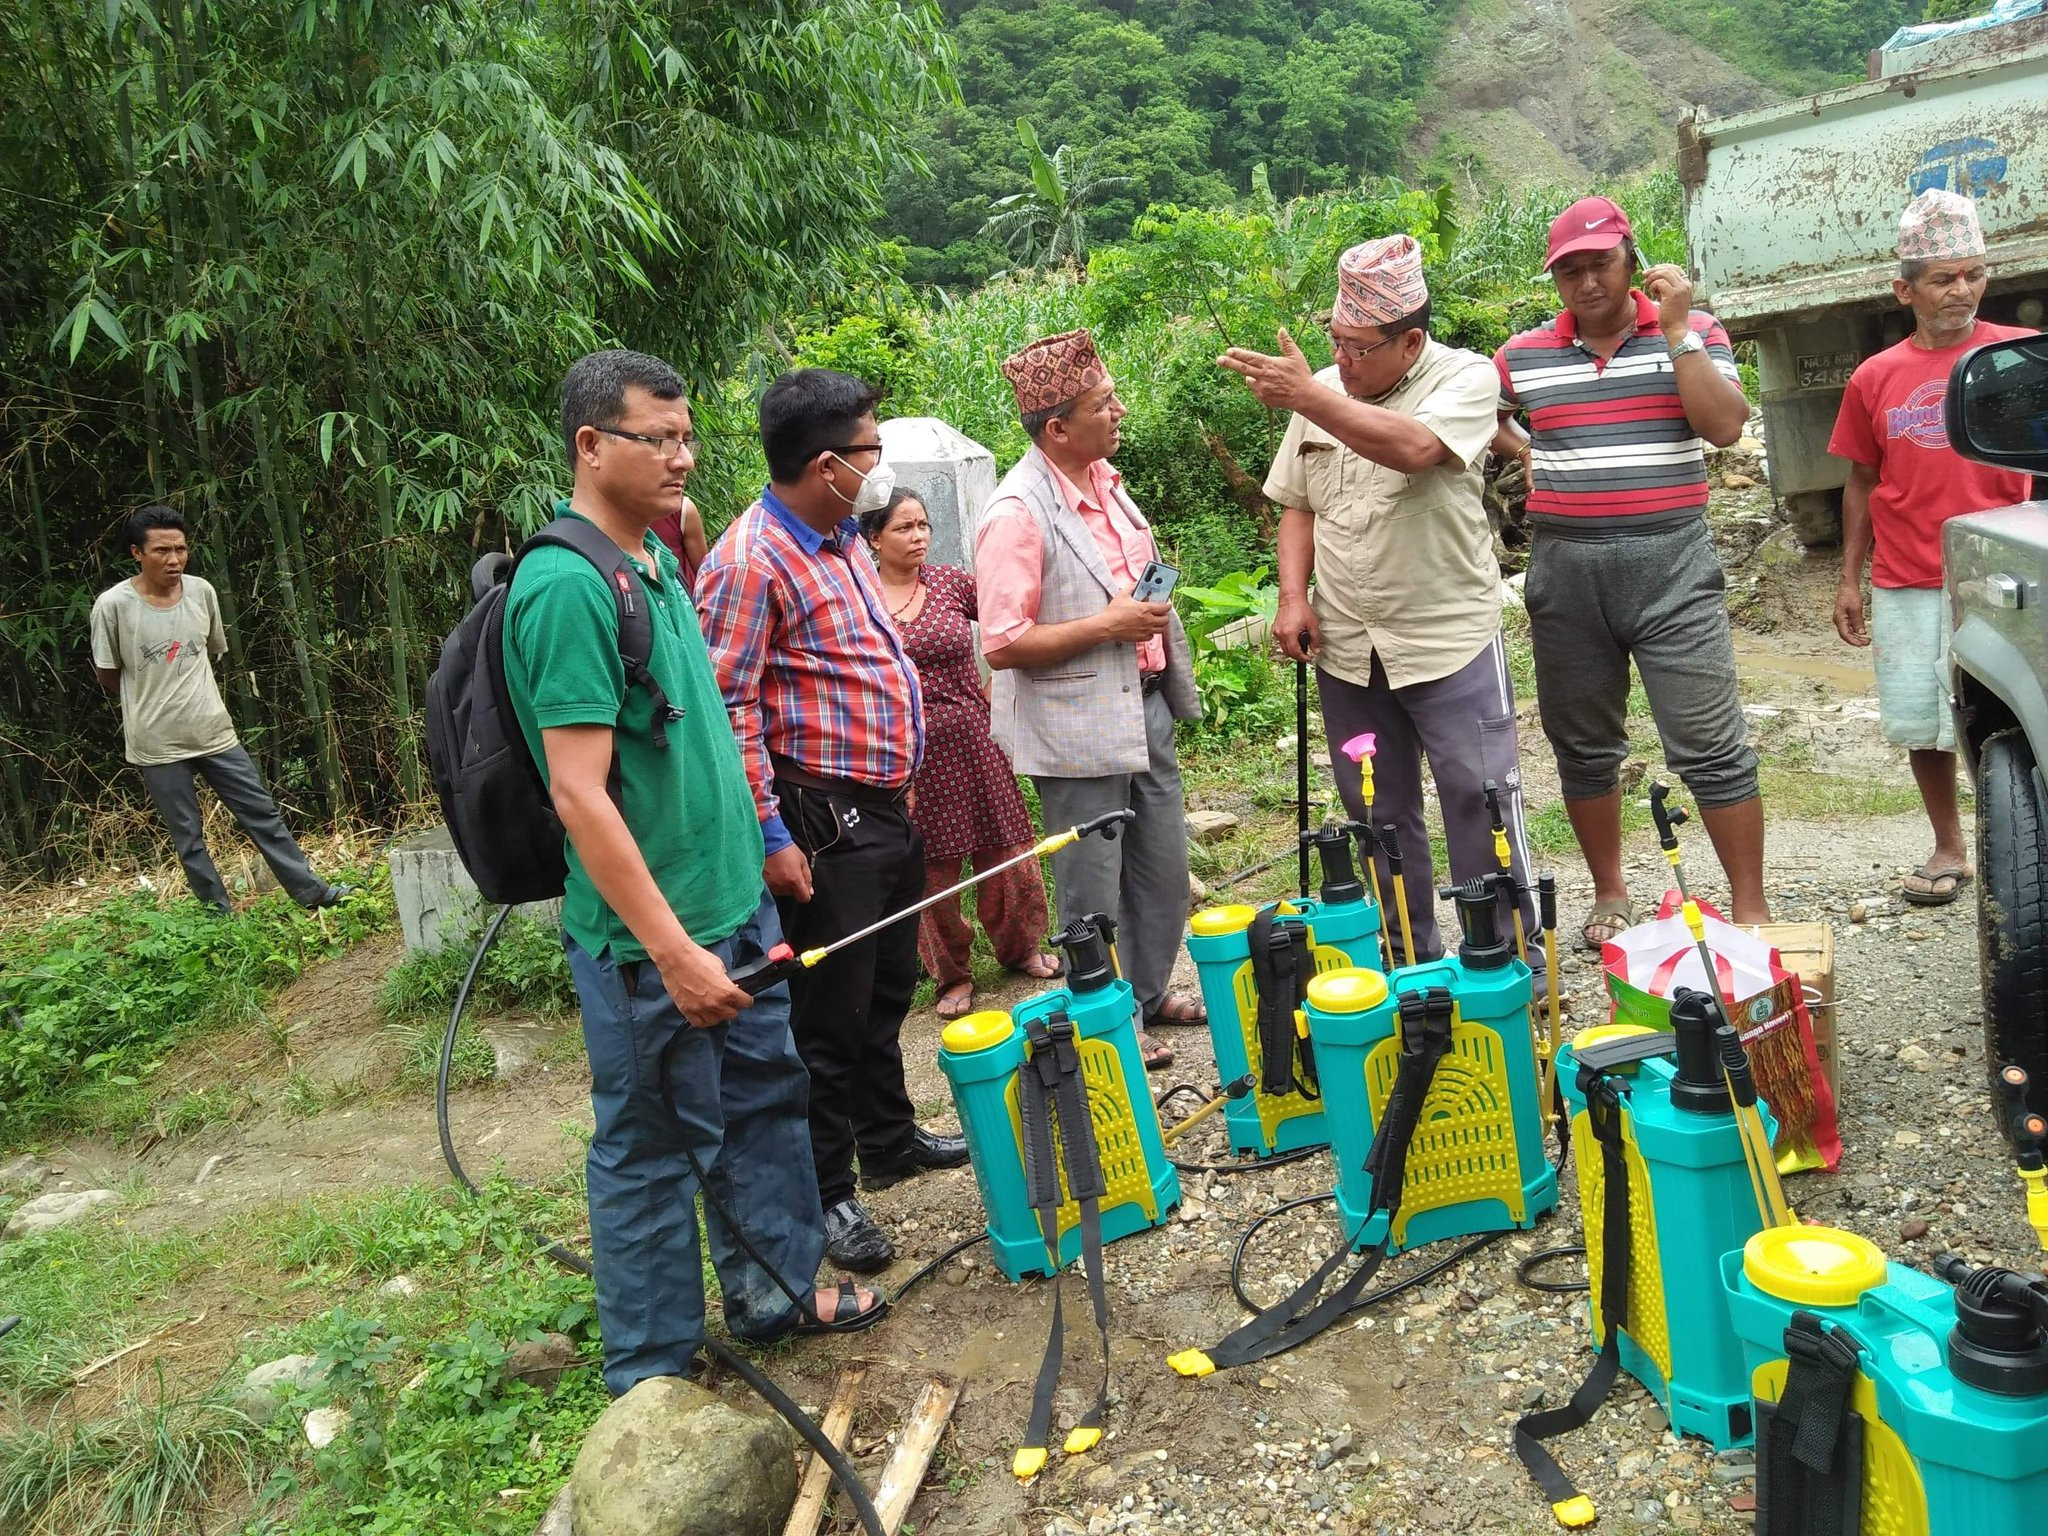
[(1465, 723), (173, 789), (1141, 879), (1595, 603)]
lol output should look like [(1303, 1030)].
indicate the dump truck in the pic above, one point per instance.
[(1791, 217)]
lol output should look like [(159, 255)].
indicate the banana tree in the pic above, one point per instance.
[(1047, 223)]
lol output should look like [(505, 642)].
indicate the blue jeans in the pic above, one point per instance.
[(736, 1095)]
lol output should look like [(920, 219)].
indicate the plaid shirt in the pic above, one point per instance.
[(810, 663)]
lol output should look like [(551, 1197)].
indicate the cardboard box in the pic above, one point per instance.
[(1808, 951)]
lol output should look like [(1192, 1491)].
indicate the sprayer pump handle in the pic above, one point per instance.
[(758, 975), (1546, 897)]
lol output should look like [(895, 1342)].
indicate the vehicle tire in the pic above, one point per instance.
[(2012, 910)]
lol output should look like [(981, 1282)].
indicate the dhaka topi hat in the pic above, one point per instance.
[(1380, 282), (1939, 225), (1053, 370)]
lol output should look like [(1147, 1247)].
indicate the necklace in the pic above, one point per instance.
[(896, 612)]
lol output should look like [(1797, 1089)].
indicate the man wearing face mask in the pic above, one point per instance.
[(1379, 487), (825, 704)]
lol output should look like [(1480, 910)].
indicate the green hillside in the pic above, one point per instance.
[(1176, 101)]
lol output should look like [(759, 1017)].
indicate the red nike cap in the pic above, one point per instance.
[(1590, 224)]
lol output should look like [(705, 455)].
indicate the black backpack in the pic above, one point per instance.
[(492, 795)]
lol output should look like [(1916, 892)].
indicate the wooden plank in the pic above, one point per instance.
[(913, 1453), (121, 1354), (809, 1510)]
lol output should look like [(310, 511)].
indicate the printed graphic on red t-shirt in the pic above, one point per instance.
[(1894, 420)]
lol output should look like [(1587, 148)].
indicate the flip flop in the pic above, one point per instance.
[(1157, 1054), (1934, 895), (1042, 967), (1177, 1008), (1610, 917), (956, 1010), (847, 1314)]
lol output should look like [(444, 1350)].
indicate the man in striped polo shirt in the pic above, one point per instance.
[(1619, 389)]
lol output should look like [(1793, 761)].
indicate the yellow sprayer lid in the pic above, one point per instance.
[(1347, 991), (1214, 922), (977, 1031), (1813, 1266)]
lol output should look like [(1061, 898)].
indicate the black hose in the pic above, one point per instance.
[(1371, 1298), (8, 1325), (932, 1266), (1251, 1165), (1524, 1271), (843, 1471)]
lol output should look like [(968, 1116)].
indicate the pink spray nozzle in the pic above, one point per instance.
[(1359, 747)]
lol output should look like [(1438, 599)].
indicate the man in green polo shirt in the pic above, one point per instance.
[(664, 894)]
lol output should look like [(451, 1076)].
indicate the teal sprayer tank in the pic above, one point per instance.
[(981, 1056), (1690, 1202), (1951, 1379), (1343, 926), (1476, 1163)]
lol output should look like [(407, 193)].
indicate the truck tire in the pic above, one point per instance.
[(2012, 910)]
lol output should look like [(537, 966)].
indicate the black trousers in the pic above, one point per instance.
[(847, 1012)]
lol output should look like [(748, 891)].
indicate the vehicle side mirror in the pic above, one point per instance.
[(1998, 404)]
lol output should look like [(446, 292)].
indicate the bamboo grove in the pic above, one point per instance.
[(311, 272)]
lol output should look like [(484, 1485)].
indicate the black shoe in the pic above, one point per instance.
[(853, 1241), (333, 896), (926, 1153)]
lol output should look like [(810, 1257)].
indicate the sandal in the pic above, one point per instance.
[(848, 1316), (1931, 892), (958, 1010), (1042, 967), (1607, 919), (1156, 1054), (1177, 1008)]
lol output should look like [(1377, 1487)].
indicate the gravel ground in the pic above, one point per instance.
[(1399, 1420)]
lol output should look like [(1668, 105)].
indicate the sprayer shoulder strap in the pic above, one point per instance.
[(1426, 1023), (1059, 1132), (1809, 1474), (1282, 963), (1603, 1115)]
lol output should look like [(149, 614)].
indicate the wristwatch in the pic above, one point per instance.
[(1690, 342)]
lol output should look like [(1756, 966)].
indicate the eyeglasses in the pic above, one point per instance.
[(851, 448), (667, 447), (1343, 346)]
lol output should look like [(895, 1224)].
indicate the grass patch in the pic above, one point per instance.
[(156, 1468), (85, 1291), (96, 999), (526, 970)]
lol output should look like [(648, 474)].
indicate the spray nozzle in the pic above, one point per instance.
[(1493, 805), (1546, 901), (1389, 837), (1669, 818)]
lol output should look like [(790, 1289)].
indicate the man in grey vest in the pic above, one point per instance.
[(1088, 680), (1378, 482)]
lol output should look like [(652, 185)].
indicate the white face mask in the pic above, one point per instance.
[(875, 487)]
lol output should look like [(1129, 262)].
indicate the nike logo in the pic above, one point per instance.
[(1596, 223)]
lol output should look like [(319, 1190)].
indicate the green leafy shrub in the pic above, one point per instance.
[(93, 1001), (526, 970), (1236, 682)]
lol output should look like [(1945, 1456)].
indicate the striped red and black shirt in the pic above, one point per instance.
[(810, 663), (1610, 447)]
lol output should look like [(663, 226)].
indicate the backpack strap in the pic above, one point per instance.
[(1059, 1136), (1603, 1114), (1426, 1023), (1282, 963), (1809, 1444), (636, 627)]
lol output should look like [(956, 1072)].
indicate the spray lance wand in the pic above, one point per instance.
[(1506, 859), (1756, 1145), (2029, 1134), (783, 962), (1389, 838), (1546, 912), (1360, 749)]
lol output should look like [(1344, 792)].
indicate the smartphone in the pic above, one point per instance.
[(1155, 582)]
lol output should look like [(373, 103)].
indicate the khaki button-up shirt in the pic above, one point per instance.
[(1404, 563)]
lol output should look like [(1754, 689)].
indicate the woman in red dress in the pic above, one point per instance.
[(966, 802)]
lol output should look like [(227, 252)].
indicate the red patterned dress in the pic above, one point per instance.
[(968, 804)]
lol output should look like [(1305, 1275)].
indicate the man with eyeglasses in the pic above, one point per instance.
[(1378, 480), (825, 703), (664, 894)]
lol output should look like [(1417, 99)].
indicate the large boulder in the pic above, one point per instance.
[(264, 1389), (46, 1213), (671, 1459)]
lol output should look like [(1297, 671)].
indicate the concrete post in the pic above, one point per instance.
[(437, 901), (953, 475)]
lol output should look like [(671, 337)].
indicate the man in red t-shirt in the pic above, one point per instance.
[(1904, 483)]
